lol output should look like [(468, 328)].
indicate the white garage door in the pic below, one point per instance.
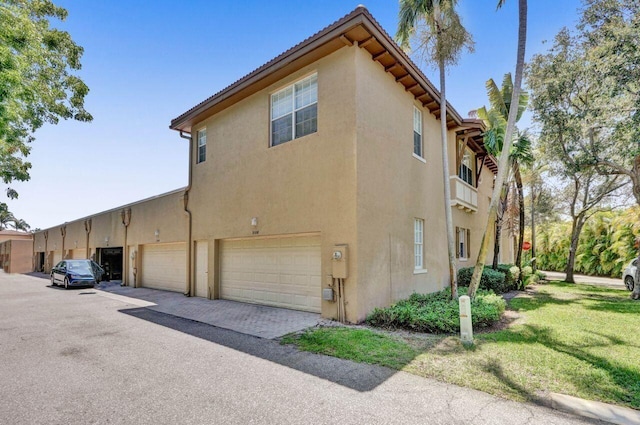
[(281, 272), (164, 266)]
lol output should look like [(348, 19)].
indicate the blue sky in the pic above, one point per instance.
[(147, 62)]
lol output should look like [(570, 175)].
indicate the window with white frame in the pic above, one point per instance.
[(418, 243), (466, 167), (462, 243), (294, 111), (202, 146), (417, 131)]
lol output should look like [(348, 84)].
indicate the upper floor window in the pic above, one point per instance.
[(418, 243), (466, 167), (294, 111), (417, 131), (202, 145)]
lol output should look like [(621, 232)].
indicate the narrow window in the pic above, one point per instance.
[(294, 111), (202, 145), (418, 233), (466, 168), (417, 131), (462, 243)]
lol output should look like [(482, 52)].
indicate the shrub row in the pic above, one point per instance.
[(437, 313), (503, 280)]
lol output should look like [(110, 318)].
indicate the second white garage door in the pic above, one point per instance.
[(281, 272), (164, 266)]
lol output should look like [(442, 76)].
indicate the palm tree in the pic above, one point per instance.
[(5, 216), (442, 40), (503, 163), (20, 224), (520, 154)]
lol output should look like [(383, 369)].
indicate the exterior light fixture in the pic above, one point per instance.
[(254, 221), (76, 244), (106, 240), (157, 233)]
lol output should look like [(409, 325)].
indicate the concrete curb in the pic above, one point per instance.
[(593, 409)]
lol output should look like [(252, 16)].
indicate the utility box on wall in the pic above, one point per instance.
[(339, 260)]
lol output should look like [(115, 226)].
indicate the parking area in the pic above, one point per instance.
[(251, 319)]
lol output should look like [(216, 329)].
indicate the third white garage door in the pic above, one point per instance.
[(164, 266), (281, 272)]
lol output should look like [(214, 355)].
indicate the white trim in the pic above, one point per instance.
[(419, 158), (420, 271), (291, 86)]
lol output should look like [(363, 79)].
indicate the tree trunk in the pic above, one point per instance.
[(518, 178), (533, 226), (496, 244), (576, 229), (503, 163), (453, 279), (499, 219), (636, 288)]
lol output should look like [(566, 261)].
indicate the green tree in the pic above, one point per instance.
[(610, 34), (36, 81), (583, 114), (441, 39), (520, 154), (503, 162)]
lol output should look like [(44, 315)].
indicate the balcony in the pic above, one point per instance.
[(463, 195)]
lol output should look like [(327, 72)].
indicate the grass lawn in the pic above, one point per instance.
[(579, 340)]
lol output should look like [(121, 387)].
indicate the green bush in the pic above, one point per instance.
[(437, 313), (491, 279)]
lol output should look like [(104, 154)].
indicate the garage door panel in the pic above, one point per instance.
[(283, 272), (164, 266)]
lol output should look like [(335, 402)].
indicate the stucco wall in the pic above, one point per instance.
[(305, 185), (164, 213), (394, 188), (17, 255)]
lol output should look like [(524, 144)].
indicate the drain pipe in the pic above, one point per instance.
[(187, 211), (125, 215)]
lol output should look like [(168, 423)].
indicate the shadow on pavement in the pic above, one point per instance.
[(359, 377)]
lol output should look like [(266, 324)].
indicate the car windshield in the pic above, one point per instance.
[(79, 267)]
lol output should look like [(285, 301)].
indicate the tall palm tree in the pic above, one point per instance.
[(5, 216), (20, 224), (442, 40), (520, 154), (503, 163)]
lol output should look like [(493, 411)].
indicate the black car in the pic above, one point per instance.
[(76, 273)]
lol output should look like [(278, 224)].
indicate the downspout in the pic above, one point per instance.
[(63, 233), (46, 250), (87, 229), (188, 212), (126, 219)]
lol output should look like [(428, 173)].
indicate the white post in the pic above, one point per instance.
[(466, 328)]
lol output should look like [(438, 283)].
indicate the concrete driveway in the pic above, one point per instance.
[(77, 357), (251, 319)]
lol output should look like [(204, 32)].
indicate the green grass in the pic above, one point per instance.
[(579, 340)]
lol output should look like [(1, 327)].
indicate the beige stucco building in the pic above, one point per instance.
[(315, 183)]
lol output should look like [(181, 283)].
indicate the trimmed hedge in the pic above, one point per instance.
[(437, 313), (503, 280)]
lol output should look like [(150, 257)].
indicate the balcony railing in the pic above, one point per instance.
[(463, 195)]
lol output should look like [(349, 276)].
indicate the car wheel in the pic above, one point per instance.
[(66, 283), (53, 281), (628, 282)]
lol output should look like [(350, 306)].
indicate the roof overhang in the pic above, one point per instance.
[(358, 28), (473, 130)]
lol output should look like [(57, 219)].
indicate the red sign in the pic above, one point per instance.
[(526, 246)]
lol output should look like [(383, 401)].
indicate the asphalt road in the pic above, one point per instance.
[(77, 357)]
